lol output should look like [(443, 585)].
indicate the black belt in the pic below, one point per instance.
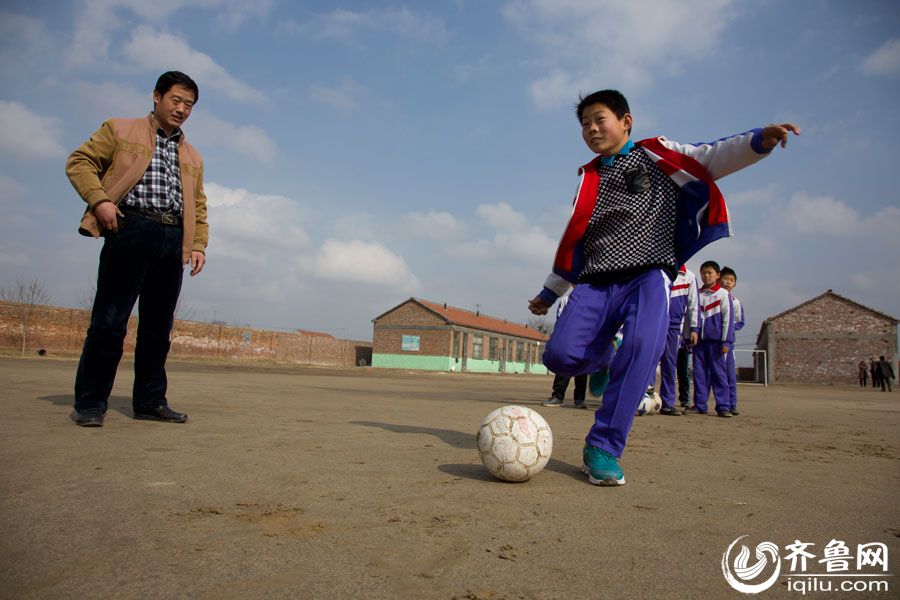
[(166, 218)]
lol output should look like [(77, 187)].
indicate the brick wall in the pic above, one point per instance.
[(411, 319), (60, 331), (823, 341)]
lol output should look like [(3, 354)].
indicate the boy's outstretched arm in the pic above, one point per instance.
[(773, 134)]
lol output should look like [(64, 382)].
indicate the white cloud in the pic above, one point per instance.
[(433, 225), (342, 96), (364, 262), (501, 216), (156, 51), (530, 244), (101, 101), (349, 24), (254, 228), (756, 198), (866, 281), (819, 214), (11, 191), (207, 129), (99, 20), (27, 134), (10, 257), (514, 239), (885, 223), (622, 44), (23, 40), (885, 61), (237, 12), (808, 214)]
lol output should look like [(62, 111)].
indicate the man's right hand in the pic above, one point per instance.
[(107, 213), (537, 306)]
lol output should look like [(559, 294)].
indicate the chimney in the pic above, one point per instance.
[(445, 306)]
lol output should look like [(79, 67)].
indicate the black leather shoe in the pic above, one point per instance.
[(160, 413), (89, 417)]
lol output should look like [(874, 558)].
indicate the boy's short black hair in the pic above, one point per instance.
[(728, 271), (713, 264), (170, 78), (611, 99)]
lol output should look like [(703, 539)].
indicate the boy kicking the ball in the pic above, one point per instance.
[(642, 209)]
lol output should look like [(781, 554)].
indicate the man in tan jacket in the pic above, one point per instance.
[(143, 185)]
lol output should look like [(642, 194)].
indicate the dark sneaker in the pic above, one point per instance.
[(601, 467), (725, 414), (693, 411), (552, 401), (670, 410), (160, 413), (89, 417), (580, 404), (734, 412)]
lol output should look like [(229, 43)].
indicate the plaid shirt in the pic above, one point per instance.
[(159, 190)]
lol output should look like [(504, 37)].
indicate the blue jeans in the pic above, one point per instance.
[(142, 260)]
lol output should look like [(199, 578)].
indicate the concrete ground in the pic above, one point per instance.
[(306, 483)]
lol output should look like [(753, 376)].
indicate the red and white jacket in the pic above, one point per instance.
[(701, 214), (716, 314)]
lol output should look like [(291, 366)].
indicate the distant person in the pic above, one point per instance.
[(863, 374), (728, 279), (560, 383), (885, 373), (875, 371), (716, 326), (641, 210), (143, 184), (682, 330)]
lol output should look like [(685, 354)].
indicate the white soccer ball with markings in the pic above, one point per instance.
[(515, 443), (650, 404)]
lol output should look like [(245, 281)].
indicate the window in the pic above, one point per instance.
[(409, 343), (477, 346), (520, 351), (493, 349)]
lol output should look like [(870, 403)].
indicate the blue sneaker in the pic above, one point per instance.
[(597, 383), (601, 467)]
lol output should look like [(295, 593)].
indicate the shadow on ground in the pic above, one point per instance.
[(459, 439), (120, 404)]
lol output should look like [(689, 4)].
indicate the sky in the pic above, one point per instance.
[(360, 153)]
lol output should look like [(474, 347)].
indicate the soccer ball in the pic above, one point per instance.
[(515, 443), (650, 403)]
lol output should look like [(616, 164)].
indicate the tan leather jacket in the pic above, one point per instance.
[(109, 164)]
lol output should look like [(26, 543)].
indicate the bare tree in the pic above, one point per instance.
[(542, 325), (86, 299), (184, 311), (25, 296)]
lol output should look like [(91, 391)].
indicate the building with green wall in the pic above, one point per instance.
[(424, 335)]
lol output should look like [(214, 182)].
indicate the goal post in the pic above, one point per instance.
[(752, 366)]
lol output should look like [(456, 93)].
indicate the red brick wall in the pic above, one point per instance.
[(823, 342), (411, 318), (60, 331)]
